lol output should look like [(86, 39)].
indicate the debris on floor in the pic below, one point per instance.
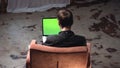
[(14, 57), (78, 17), (111, 50), (2, 66), (31, 27), (3, 23), (94, 62), (108, 56), (108, 25), (95, 54), (96, 15), (23, 53)]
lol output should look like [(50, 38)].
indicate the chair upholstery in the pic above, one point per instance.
[(41, 56)]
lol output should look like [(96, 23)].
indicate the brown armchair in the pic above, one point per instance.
[(41, 56)]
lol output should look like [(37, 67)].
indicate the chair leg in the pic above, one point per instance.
[(27, 65), (89, 66), (28, 59)]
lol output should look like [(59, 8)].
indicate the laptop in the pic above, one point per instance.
[(50, 26)]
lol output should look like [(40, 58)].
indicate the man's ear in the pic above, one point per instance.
[(59, 23)]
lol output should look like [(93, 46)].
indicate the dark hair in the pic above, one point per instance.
[(65, 18)]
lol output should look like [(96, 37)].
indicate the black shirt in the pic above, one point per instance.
[(65, 39)]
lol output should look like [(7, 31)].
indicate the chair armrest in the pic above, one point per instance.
[(89, 59), (28, 53), (33, 42), (89, 47)]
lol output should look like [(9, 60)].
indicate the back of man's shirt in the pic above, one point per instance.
[(65, 39)]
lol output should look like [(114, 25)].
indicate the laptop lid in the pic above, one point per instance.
[(50, 26)]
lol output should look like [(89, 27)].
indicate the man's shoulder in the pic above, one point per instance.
[(54, 38), (79, 36), (80, 40)]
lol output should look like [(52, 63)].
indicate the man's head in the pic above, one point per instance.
[(65, 18)]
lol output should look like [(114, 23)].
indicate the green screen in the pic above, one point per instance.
[(50, 26)]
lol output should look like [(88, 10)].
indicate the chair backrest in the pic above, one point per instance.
[(53, 57)]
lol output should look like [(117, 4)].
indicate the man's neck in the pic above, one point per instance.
[(65, 29)]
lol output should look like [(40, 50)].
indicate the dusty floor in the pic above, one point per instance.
[(99, 23)]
